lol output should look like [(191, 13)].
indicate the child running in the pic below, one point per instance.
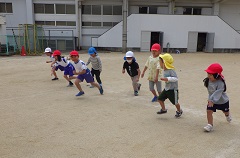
[(217, 97), (153, 75), (55, 67), (133, 71), (83, 73), (68, 67), (171, 85), (95, 60)]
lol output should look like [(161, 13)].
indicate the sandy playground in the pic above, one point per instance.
[(40, 118)]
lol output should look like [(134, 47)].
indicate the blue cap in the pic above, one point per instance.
[(92, 50)]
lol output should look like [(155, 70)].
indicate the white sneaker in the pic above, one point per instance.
[(229, 118), (208, 128)]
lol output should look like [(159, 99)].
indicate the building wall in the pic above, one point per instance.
[(175, 28)]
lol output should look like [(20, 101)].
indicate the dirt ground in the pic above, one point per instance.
[(40, 118)]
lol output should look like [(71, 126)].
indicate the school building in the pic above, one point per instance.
[(119, 25)]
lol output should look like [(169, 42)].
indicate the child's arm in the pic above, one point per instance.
[(123, 69), (139, 73), (169, 79), (145, 68), (48, 61), (88, 61), (217, 94), (53, 63), (79, 73), (100, 64)]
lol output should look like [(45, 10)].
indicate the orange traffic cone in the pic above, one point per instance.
[(23, 51)]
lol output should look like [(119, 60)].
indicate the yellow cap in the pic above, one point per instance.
[(168, 60)]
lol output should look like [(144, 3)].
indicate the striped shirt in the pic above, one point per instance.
[(96, 62)]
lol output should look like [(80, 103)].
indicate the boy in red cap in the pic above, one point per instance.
[(154, 71), (217, 97), (83, 73)]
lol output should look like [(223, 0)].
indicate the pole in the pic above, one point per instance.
[(124, 30)]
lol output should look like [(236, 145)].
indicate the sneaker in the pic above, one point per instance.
[(208, 128), (101, 90), (154, 99), (229, 118), (139, 86), (162, 111), (70, 84), (79, 94), (91, 86), (55, 78), (136, 93), (178, 114)]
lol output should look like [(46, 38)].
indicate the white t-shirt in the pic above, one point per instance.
[(79, 66), (64, 62)]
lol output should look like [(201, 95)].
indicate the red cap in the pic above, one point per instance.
[(74, 53), (215, 68), (156, 47), (56, 52)]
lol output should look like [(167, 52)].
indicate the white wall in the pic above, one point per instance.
[(175, 28)]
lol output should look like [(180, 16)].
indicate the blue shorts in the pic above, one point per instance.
[(87, 76), (223, 107), (68, 70), (58, 67)]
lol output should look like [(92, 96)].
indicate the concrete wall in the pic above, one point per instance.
[(175, 28)]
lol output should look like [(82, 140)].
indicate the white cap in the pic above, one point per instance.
[(129, 54), (48, 50)]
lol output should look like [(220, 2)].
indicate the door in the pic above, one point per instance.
[(192, 41), (210, 42), (157, 37), (145, 41)]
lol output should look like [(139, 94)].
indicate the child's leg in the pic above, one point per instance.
[(97, 73), (159, 87), (178, 107), (162, 105), (210, 117), (134, 83), (54, 72), (77, 83), (151, 88), (66, 77), (95, 84)]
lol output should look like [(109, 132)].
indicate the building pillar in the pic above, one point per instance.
[(78, 8), (171, 6), (216, 7), (30, 12), (124, 29)]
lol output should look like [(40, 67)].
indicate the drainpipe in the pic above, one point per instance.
[(79, 21), (124, 30)]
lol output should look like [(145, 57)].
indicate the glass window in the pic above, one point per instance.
[(69, 45), (49, 9), (60, 9), (39, 22), (115, 23), (143, 10), (152, 10), (52, 44), (50, 23), (96, 10), (117, 10), (60, 23), (70, 9), (107, 24), (96, 23), (197, 11), (86, 24), (2, 8), (38, 8), (107, 10), (187, 11), (86, 9), (9, 8), (71, 23)]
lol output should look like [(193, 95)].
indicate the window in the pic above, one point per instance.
[(192, 11), (86, 9), (107, 10), (70, 9), (60, 9), (6, 8), (52, 23), (96, 10), (148, 10), (89, 24), (44, 8), (117, 10), (71, 23), (65, 23)]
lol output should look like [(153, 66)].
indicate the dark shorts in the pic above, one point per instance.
[(172, 95), (223, 107), (87, 76), (59, 67), (68, 70)]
